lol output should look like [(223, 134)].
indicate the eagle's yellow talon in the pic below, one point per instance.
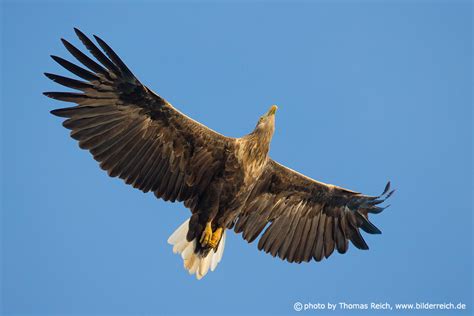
[(216, 237), (206, 235), (210, 239)]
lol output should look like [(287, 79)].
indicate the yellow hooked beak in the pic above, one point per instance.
[(272, 110)]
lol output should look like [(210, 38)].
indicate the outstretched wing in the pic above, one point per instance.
[(132, 132), (308, 219)]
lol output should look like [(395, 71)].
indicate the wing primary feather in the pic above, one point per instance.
[(86, 61), (114, 57), (66, 96), (339, 236), (376, 209), (94, 138), (357, 239), (68, 82), (387, 187), (352, 232), (390, 194), (86, 123), (367, 226), (78, 71), (84, 111), (63, 112), (96, 52)]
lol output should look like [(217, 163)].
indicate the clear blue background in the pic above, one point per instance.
[(368, 91)]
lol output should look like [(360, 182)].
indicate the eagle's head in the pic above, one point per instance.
[(266, 123)]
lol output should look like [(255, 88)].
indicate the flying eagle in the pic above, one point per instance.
[(226, 182)]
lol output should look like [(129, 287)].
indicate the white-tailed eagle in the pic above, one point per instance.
[(226, 182)]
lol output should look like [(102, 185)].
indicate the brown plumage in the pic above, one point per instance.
[(226, 182)]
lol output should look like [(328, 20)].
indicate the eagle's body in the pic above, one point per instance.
[(245, 164), (226, 182)]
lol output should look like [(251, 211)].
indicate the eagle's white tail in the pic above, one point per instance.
[(194, 263)]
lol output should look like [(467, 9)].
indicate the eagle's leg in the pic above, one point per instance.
[(216, 238), (209, 238), (206, 235), (209, 206)]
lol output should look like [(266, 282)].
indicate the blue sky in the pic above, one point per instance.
[(367, 91)]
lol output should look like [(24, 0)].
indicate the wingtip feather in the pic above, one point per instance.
[(387, 187)]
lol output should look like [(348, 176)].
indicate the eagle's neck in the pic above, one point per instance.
[(254, 149)]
